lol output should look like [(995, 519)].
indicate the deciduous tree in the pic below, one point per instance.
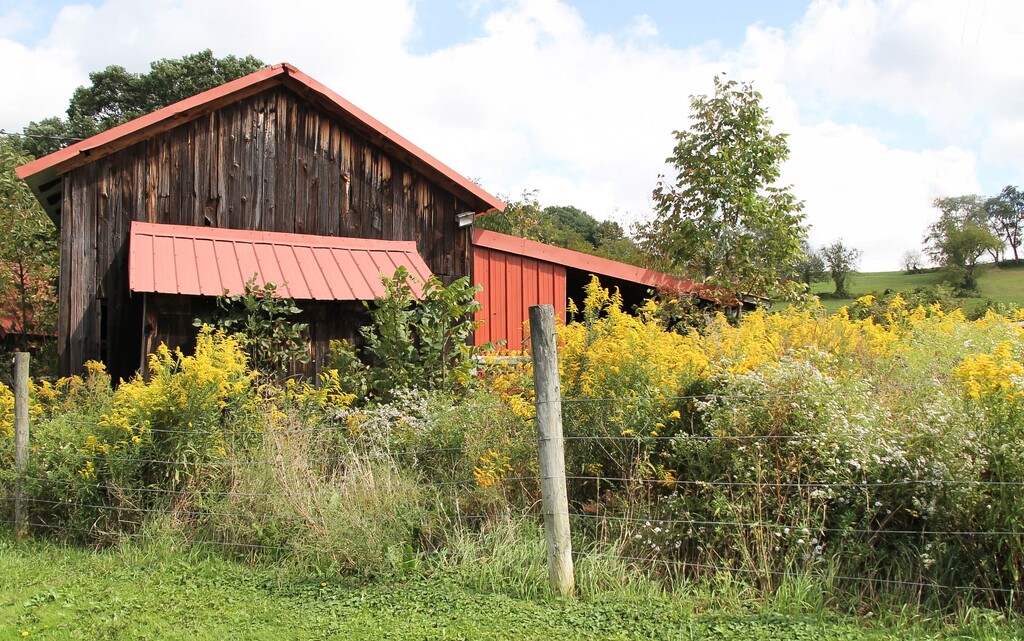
[(959, 238), (809, 268), (841, 262), (116, 95), (724, 218), (28, 255), (1006, 217), (912, 261)]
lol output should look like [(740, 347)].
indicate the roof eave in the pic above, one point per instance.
[(43, 171)]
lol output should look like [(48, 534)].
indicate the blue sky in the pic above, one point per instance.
[(889, 104), (683, 23)]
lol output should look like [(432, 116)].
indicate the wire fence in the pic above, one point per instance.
[(782, 522)]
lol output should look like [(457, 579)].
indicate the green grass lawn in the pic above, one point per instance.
[(996, 284), (53, 592)]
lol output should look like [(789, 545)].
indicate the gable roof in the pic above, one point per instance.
[(42, 175), (583, 262), (208, 261)]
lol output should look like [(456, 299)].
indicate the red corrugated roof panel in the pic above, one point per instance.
[(206, 261)]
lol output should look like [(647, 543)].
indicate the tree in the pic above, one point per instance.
[(115, 96), (911, 261), (842, 262), (28, 255), (1006, 217), (723, 218), (519, 218), (809, 267), (563, 226), (959, 238)]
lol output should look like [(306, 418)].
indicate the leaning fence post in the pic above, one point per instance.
[(555, 502), (21, 360)]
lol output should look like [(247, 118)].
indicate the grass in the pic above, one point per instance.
[(996, 284), (54, 592)]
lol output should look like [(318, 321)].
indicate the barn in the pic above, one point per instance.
[(272, 175)]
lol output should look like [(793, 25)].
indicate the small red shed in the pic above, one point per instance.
[(516, 273)]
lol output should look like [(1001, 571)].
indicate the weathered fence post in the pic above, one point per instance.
[(21, 361), (555, 502)]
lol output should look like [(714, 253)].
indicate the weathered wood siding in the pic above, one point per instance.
[(169, 319), (270, 162)]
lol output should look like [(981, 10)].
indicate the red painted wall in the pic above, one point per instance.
[(511, 284)]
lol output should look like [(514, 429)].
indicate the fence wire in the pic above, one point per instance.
[(628, 520)]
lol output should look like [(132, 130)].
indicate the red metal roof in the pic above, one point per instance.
[(206, 261), (584, 262), (41, 173)]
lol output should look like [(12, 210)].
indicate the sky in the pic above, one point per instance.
[(888, 104)]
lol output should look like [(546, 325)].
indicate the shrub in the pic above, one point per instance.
[(420, 341), (265, 325)]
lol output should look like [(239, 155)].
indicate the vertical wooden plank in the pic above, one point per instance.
[(531, 276), (546, 284), (268, 176), (183, 183), (152, 181), (481, 276), (514, 300), (345, 166), (333, 167), (210, 168), (323, 169), (284, 194), (499, 315), (101, 186), (65, 284), (232, 125), (164, 214), (259, 165), (301, 181), (560, 294), (200, 167)]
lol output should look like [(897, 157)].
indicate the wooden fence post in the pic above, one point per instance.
[(21, 361), (555, 502)]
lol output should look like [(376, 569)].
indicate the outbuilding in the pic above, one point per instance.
[(277, 176)]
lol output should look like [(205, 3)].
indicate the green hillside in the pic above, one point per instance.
[(995, 284)]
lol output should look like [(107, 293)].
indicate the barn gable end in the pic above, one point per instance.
[(272, 152)]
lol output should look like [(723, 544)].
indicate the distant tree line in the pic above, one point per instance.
[(563, 226)]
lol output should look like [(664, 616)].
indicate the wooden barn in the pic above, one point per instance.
[(274, 152), (277, 176)]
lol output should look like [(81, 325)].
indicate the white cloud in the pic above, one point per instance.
[(875, 198), (37, 83), (642, 27), (954, 63), (539, 100)]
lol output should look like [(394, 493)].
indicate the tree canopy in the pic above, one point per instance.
[(960, 237), (841, 262), (1006, 217), (724, 218), (28, 254), (809, 267), (115, 96), (563, 226)]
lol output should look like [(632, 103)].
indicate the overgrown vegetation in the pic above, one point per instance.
[(265, 324), (851, 462)]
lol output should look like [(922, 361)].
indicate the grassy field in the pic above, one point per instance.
[(52, 592), (996, 284)]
